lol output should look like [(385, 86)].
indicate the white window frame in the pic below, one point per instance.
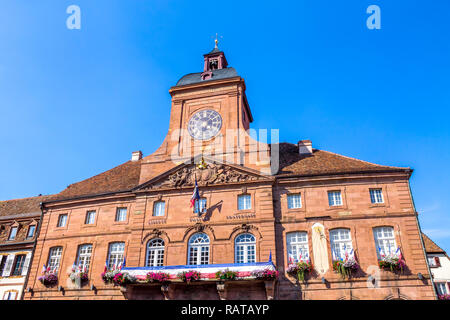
[(200, 203), (385, 239), (376, 195), (121, 214), (335, 198), (198, 249), (294, 201), (62, 220), (340, 242), (159, 208), (116, 252), (245, 248), (244, 202), (31, 227), (10, 293), (155, 253), (84, 256), (54, 258), (90, 217), (442, 288), (23, 257), (13, 235), (296, 243)]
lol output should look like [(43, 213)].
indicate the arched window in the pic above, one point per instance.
[(341, 243), (198, 249), (54, 258), (155, 253), (297, 246), (115, 256), (384, 240), (245, 248)]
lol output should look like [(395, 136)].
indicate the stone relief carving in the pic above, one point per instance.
[(213, 174)]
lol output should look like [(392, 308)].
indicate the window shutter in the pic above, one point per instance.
[(26, 264), (8, 266), (438, 262)]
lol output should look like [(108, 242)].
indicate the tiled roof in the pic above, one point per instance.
[(323, 162), (126, 176), (21, 206), (121, 178), (430, 246)]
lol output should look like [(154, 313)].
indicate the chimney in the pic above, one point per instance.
[(136, 155), (305, 147)]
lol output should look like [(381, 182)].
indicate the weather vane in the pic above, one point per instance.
[(216, 41)]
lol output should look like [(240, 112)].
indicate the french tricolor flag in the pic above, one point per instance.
[(195, 195)]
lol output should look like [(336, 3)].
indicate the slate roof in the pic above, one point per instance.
[(430, 246), (324, 162), (192, 78)]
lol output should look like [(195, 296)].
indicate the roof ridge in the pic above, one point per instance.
[(103, 172), (356, 159), (26, 198)]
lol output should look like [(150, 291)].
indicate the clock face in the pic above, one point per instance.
[(205, 124)]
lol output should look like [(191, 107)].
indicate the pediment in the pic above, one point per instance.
[(214, 174)]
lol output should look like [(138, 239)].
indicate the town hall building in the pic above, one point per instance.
[(256, 208)]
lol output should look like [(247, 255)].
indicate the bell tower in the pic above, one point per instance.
[(210, 116)]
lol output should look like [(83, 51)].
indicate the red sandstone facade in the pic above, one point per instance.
[(138, 184)]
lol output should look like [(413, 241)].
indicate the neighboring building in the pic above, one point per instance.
[(439, 263), (251, 214), (19, 221)]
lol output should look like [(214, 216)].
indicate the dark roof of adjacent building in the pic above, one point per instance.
[(22, 206), (192, 78), (430, 245), (323, 163)]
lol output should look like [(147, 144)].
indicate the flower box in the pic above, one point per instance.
[(48, 279), (345, 268), (392, 263), (189, 276), (158, 277), (444, 297), (265, 274), (108, 276), (123, 278), (300, 269), (226, 275)]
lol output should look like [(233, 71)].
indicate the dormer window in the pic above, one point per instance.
[(213, 64)]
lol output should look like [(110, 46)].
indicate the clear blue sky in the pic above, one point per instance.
[(75, 103)]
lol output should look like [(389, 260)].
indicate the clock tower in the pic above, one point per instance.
[(210, 117)]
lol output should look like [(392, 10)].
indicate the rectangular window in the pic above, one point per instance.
[(115, 257), (294, 201), (10, 295), (159, 209), (84, 256), (90, 217), (13, 233), (121, 214), (384, 241), (62, 220), (31, 230), (341, 244), (200, 205), (432, 262), (2, 264), (376, 196), (18, 265), (441, 288), (244, 202), (54, 258), (334, 198)]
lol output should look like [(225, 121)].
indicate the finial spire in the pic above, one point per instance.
[(216, 41)]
